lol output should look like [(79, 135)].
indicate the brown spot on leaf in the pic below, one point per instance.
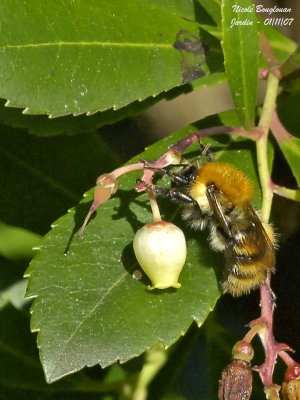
[(192, 55)]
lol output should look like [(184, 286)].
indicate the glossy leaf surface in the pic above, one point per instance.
[(240, 47), (41, 178), (89, 309), (75, 57)]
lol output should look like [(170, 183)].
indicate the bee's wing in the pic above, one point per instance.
[(260, 231), (211, 193), (254, 255), (230, 254), (254, 248), (255, 230)]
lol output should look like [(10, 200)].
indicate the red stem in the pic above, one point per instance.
[(266, 335), (271, 347), (175, 150), (185, 142), (278, 130)]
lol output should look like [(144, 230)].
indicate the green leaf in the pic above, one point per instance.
[(240, 47), (98, 312), (88, 308), (42, 125), (75, 57), (17, 243), (213, 8), (20, 368), (291, 72), (41, 178), (292, 63), (182, 8), (291, 151), (282, 46), (287, 108), (14, 294), (20, 364), (289, 141)]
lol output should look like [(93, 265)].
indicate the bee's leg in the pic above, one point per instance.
[(205, 150), (173, 194), (176, 178), (180, 178)]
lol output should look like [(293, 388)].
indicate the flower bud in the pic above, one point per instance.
[(292, 372), (243, 350), (236, 381), (291, 386), (291, 390), (160, 249)]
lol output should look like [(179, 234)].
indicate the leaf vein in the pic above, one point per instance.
[(79, 325), (87, 44), (39, 173)]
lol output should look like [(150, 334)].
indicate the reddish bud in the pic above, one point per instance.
[(109, 182), (236, 381), (173, 157), (291, 390), (243, 350), (291, 386), (293, 372), (107, 185)]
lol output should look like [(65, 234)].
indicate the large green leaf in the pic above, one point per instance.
[(240, 47), (291, 151), (292, 63), (287, 108), (20, 369), (182, 8), (74, 57), (203, 11), (288, 140), (41, 178), (282, 46), (291, 72), (17, 243), (213, 8), (21, 374), (19, 366), (89, 309), (42, 125)]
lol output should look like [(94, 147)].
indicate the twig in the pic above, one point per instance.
[(262, 146)]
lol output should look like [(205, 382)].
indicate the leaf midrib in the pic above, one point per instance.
[(19, 355), (151, 45), (68, 341), (53, 183)]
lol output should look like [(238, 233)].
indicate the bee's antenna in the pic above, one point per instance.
[(205, 150)]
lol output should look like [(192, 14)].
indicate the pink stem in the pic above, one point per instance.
[(176, 149), (269, 56), (107, 183), (127, 168), (271, 347), (266, 336), (288, 360), (279, 131), (182, 144)]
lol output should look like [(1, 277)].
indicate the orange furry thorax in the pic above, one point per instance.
[(229, 180)]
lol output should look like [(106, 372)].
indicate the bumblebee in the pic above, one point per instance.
[(218, 196)]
